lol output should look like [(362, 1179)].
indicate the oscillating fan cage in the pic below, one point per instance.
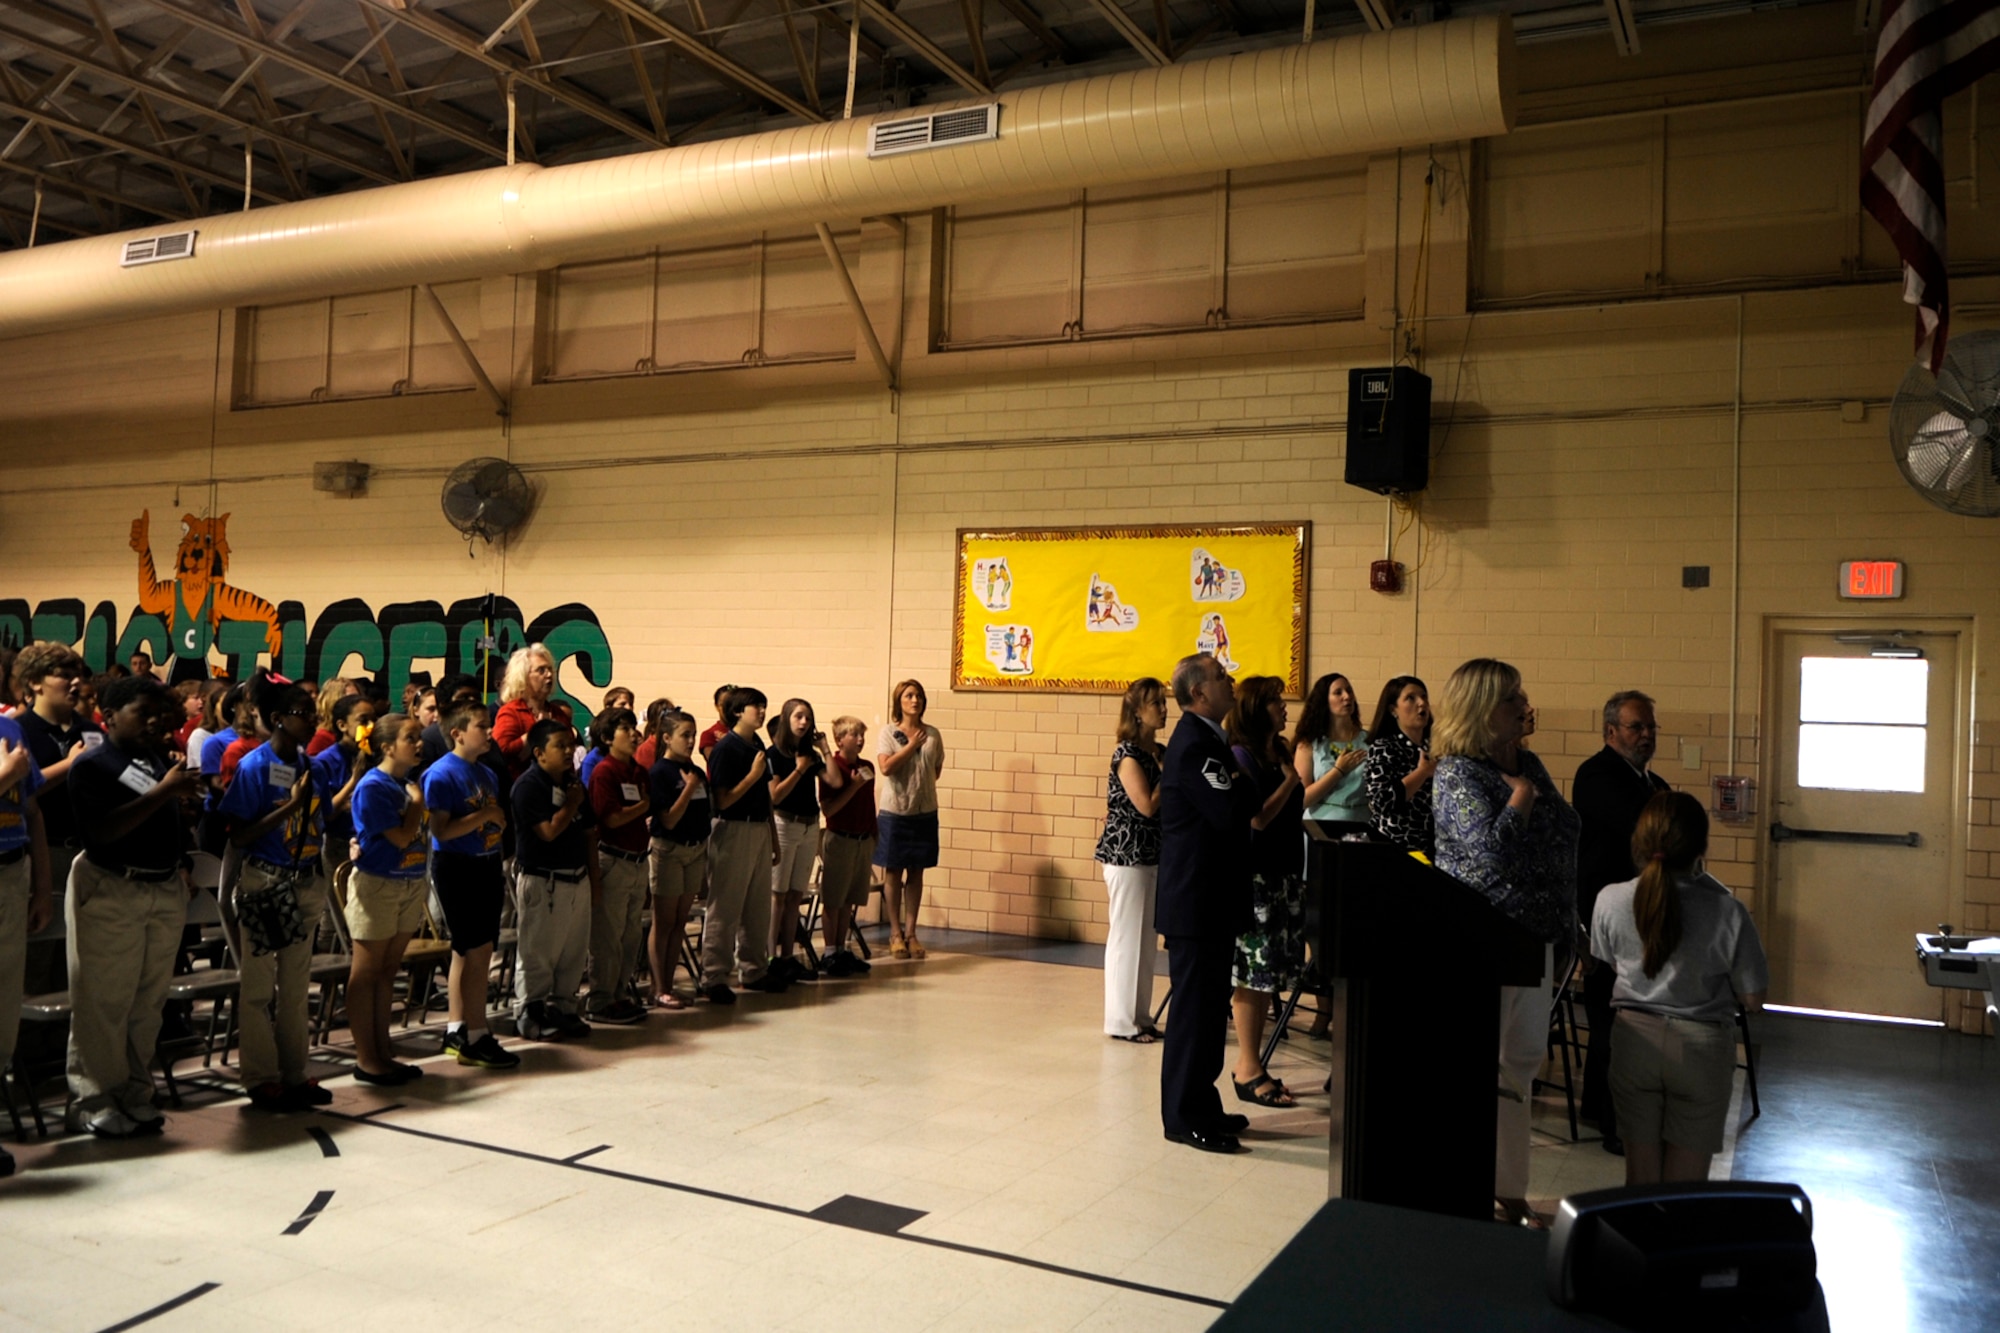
[(1944, 428)]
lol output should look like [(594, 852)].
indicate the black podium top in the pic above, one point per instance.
[(1380, 909), (1367, 1268)]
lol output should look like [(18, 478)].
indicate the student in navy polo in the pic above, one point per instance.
[(741, 853), (678, 865), (127, 902), (46, 676), (24, 882), (557, 881), (467, 824), (274, 815), (385, 893)]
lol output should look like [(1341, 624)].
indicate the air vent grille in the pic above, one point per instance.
[(155, 249), (971, 124)]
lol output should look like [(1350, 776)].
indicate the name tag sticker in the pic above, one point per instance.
[(138, 779), (91, 740), (630, 791), (283, 776)]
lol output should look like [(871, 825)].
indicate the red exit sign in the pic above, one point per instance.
[(1871, 578)]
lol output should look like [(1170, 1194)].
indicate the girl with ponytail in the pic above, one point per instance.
[(1687, 955), (385, 890)]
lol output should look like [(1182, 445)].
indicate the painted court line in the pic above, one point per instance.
[(327, 1147), (313, 1209), (766, 1206), (162, 1308)]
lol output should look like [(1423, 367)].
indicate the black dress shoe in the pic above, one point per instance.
[(1614, 1145), (1222, 1143), (1235, 1124)]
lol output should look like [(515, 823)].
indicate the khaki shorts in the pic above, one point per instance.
[(379, 907), (844, 871), (1671, 1079)]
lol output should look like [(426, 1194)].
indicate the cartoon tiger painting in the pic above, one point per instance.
[(197, 601)]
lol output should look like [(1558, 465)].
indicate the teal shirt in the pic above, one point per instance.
[(1349, 798)]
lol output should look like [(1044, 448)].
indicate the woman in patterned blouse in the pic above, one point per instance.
[(1129, 851), (1271, 954), (1400, 766), (1504, 830)]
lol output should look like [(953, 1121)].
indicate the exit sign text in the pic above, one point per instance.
[(1871, 579)]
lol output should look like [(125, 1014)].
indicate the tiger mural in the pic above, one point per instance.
[(197, 601)]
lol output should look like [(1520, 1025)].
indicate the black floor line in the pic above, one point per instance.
[(162, 1308), (327, 1147), (392, 1106), (313, 1209), (576, 1157), (769, 1207)]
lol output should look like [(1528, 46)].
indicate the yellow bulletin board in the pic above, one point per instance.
[(1089, 610)]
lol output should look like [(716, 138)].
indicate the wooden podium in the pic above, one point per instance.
[(1414, 961)]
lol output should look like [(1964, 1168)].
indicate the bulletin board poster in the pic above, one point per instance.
[(1090, 610)]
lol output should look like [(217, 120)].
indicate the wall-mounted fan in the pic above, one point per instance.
[(486, 497), (1944, 428)]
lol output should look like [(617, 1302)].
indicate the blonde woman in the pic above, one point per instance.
[(909, 759), (1129, 851), (1504, 830), (526, 697)]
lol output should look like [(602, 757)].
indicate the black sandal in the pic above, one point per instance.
[(1143, 1037), (1251, 1092)]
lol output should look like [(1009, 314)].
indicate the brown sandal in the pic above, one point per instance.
[(916, 949), (899, 946)]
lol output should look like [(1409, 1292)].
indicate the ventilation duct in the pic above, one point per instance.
[(1431, 83)]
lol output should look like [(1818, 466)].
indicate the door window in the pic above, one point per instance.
[(1862, 723)]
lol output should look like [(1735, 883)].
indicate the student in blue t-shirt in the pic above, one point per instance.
[(467, 824), (25, 903), (339, 769), (274, 812), (385, 895)]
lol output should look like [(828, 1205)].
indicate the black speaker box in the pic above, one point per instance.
[(1709, 1255), (1388, 429)]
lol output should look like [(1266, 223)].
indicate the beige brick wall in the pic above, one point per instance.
[(793, 528)]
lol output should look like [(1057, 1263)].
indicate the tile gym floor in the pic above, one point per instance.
[(946, 1144)]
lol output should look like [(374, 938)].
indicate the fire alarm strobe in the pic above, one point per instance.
[(1385, 576)]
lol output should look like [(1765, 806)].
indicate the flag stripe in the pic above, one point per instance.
[(1928, 50)]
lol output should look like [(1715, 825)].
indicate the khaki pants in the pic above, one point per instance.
[(123, 936), (14, 884), (276, 1006), (554, 921), (739, 902), (614, 930)]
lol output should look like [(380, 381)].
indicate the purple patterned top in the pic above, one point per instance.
[(1527, 869)]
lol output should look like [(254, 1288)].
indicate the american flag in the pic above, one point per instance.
[(1928, 50)]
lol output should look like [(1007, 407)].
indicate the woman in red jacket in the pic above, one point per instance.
[(525, 699)]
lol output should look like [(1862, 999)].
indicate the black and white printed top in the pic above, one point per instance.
[(1130, 838), (1398, 818)]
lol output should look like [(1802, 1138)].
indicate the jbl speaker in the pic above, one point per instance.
[(1389, 429), (1708, 1254)]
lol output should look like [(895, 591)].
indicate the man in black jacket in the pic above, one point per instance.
[(1206, 805), (1611, 789)]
